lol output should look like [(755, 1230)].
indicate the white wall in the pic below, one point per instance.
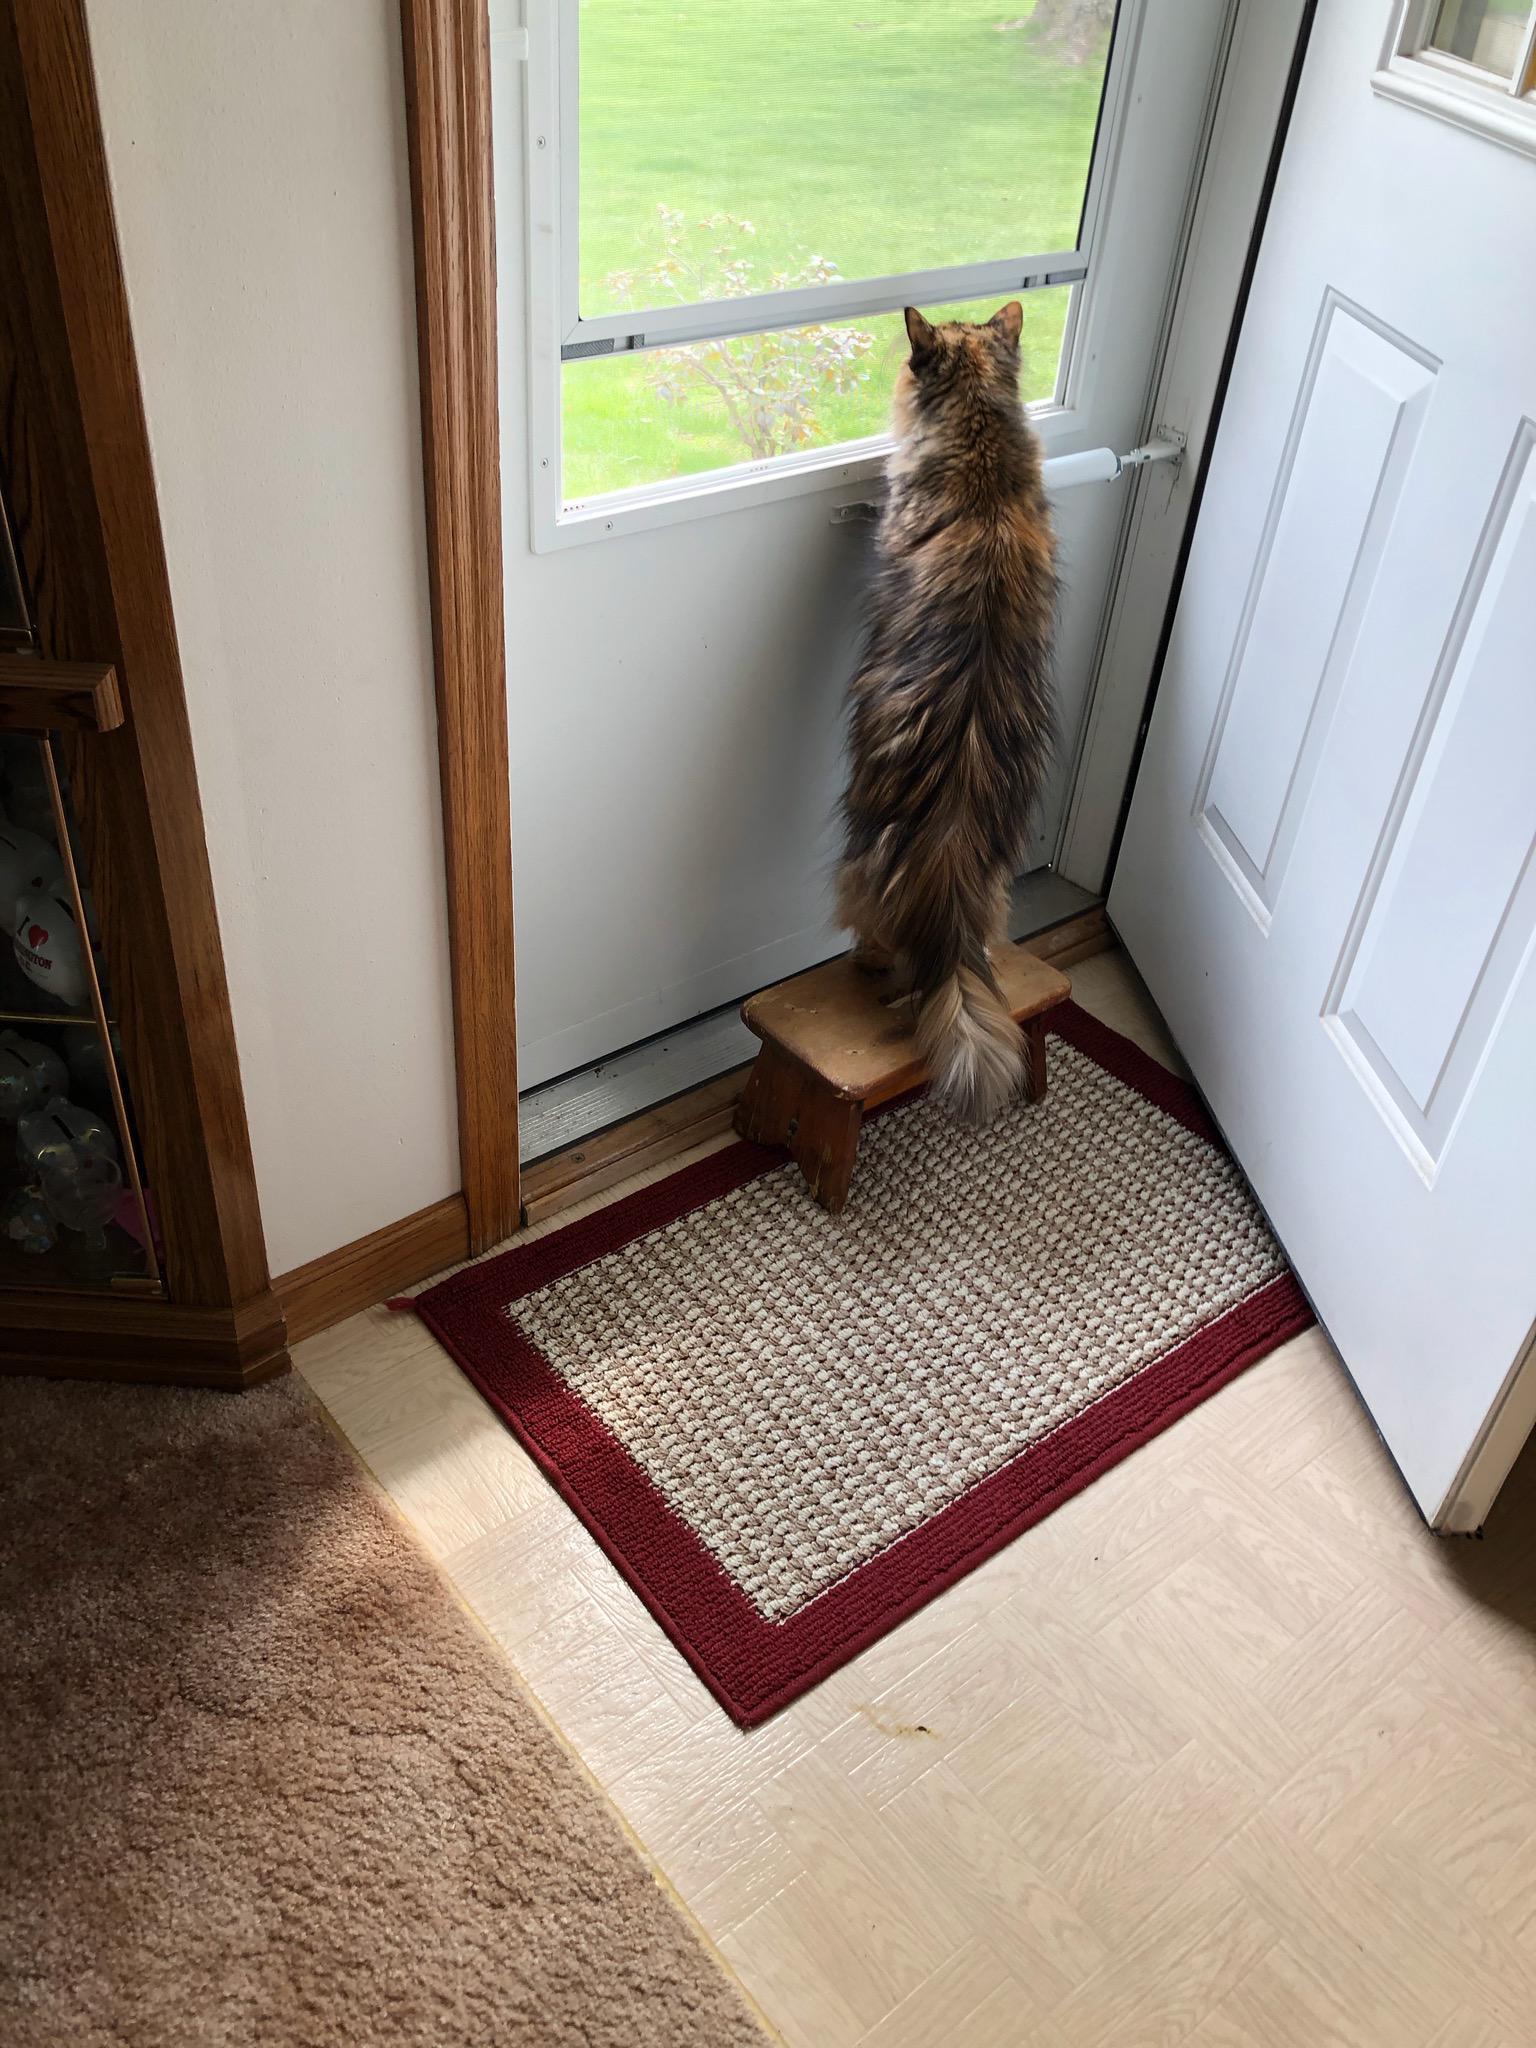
[(258, 162)]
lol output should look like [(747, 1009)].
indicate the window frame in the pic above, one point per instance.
[(557, 333), (1415, 74)]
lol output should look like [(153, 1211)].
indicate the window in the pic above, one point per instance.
[(1472, 62), (732, 200), (1490, 35)]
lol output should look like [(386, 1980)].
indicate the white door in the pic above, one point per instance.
[(678, 642), (1327, 875)]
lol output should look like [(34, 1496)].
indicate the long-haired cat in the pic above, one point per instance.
[(950, 729)]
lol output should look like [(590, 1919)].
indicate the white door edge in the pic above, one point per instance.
[(1253, 74), (1510, 1422)]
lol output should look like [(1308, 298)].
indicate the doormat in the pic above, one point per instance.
[(791, 1430)]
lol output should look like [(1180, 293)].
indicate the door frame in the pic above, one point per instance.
[(1246, 129), (448, 125), (447, 54)]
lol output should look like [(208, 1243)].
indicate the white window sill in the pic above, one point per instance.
[(744, 485), (1483, 110)]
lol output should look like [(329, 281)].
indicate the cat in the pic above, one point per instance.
[(950, 724)]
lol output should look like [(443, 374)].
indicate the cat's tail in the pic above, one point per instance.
[(972, 1046), (940, 906)]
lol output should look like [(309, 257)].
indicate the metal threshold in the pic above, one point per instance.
[(578, 1105)]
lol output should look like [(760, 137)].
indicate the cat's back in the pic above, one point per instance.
[(973, 537)]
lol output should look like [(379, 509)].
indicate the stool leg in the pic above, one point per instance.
[(1034, 1058), (783, 1104), (770, 1102), (825, 1144)]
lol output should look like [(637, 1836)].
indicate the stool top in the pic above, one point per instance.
[(854, 1029)]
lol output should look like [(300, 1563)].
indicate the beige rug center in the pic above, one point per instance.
[(804, 1390)]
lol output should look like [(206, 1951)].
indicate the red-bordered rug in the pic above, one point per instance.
[(790, 1431)]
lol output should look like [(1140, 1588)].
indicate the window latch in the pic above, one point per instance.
[(1088, 466)]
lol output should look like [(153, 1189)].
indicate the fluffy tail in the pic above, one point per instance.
[(973, 1048), (936, 903)]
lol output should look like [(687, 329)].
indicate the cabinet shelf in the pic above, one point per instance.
[(50, 1017)]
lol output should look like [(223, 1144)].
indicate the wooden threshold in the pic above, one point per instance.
[(585, 1169), (1075, 938), (569, 1177), (358, 1275)]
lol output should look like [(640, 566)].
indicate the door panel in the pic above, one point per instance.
[(1356, 420), (675, 694), (1326, 875), (1447, 925)]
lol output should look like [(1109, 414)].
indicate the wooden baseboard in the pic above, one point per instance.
[(357, 1275), (79, 1337)]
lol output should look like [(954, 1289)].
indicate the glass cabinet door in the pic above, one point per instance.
[(74, 1212)]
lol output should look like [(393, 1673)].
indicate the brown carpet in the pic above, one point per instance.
[(262, 1781)]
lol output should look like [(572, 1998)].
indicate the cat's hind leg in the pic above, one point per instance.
[(1001, 913), (870, 957), (872, 954)]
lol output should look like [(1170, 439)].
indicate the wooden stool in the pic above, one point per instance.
[(838, 1041)]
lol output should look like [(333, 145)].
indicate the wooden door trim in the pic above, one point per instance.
[(74, 446), (448, 126)]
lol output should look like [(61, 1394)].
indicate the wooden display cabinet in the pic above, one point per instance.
[(93, 726)]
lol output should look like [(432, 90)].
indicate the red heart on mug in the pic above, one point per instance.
[(37, 937)]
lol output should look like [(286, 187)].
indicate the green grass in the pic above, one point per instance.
[(883, 135)]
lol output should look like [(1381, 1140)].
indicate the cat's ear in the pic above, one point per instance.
[(921, 335), (1007, 321)]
